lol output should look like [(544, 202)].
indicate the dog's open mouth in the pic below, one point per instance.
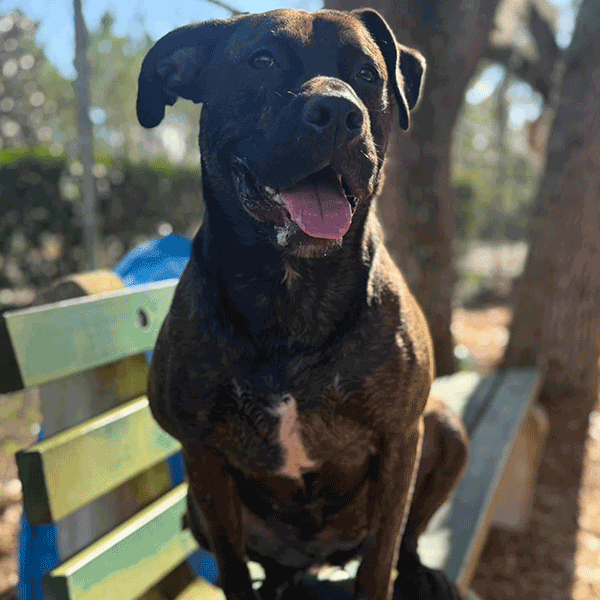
[(320, 205)]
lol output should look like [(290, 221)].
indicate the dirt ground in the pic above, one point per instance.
[(558, 558)]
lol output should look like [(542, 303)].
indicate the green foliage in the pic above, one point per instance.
[(115, 63), (37, 104), (475, 167), (465, 210), (40, 184), (33, 95), (40, 228)]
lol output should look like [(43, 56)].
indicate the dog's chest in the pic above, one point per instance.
[(264, 436), (267, 432), (288, 436), (274, 408)]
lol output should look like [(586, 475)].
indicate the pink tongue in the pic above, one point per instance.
[(320, 209)]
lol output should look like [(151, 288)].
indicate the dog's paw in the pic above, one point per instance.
[(423, 583), (312, 589)]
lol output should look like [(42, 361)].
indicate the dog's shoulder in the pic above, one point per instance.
[(397, 318), (387, 291)]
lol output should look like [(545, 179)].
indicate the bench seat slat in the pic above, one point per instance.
[(56, 340), (129, 560), (457, 532), (69, 470), (201, 590)]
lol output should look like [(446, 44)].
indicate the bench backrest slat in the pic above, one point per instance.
[(69, 470), (56, 340), (130, 559)]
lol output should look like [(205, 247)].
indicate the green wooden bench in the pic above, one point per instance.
[(101, 474)]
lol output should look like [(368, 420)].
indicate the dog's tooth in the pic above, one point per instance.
[(270, 190), (283, 233)]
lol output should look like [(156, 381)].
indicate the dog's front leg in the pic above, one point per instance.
[(390, 501), (214, 491)]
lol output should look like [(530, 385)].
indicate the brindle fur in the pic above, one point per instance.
[(295, 371)]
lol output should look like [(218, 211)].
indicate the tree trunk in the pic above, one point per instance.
[(85, 135), (416, 205), (557, 300)]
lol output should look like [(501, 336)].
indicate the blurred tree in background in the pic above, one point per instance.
[(115, 62), (41, 178), (419, 204), (557, 299), (36, 101)]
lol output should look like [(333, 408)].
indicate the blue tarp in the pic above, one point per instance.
[(160, 259)]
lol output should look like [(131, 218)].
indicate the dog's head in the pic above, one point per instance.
[(296, 115)]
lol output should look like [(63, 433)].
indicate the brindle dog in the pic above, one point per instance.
[(294, 365)]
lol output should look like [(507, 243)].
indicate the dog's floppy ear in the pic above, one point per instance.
[(172, 69), (406, 67)]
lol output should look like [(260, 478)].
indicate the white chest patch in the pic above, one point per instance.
[(296, 459)]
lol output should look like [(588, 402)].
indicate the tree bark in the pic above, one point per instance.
[(85, 135), (416, 206), (557, 300), (540, 74)]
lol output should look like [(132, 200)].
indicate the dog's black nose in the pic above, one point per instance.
[(322, 113)]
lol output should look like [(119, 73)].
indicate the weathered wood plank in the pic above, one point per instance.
[(10, 374), (55, 340), (454, 539), (69, 470), (201, 590), (126, 562)]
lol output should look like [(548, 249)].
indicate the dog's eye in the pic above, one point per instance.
[(368, 74), (262, 60)]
